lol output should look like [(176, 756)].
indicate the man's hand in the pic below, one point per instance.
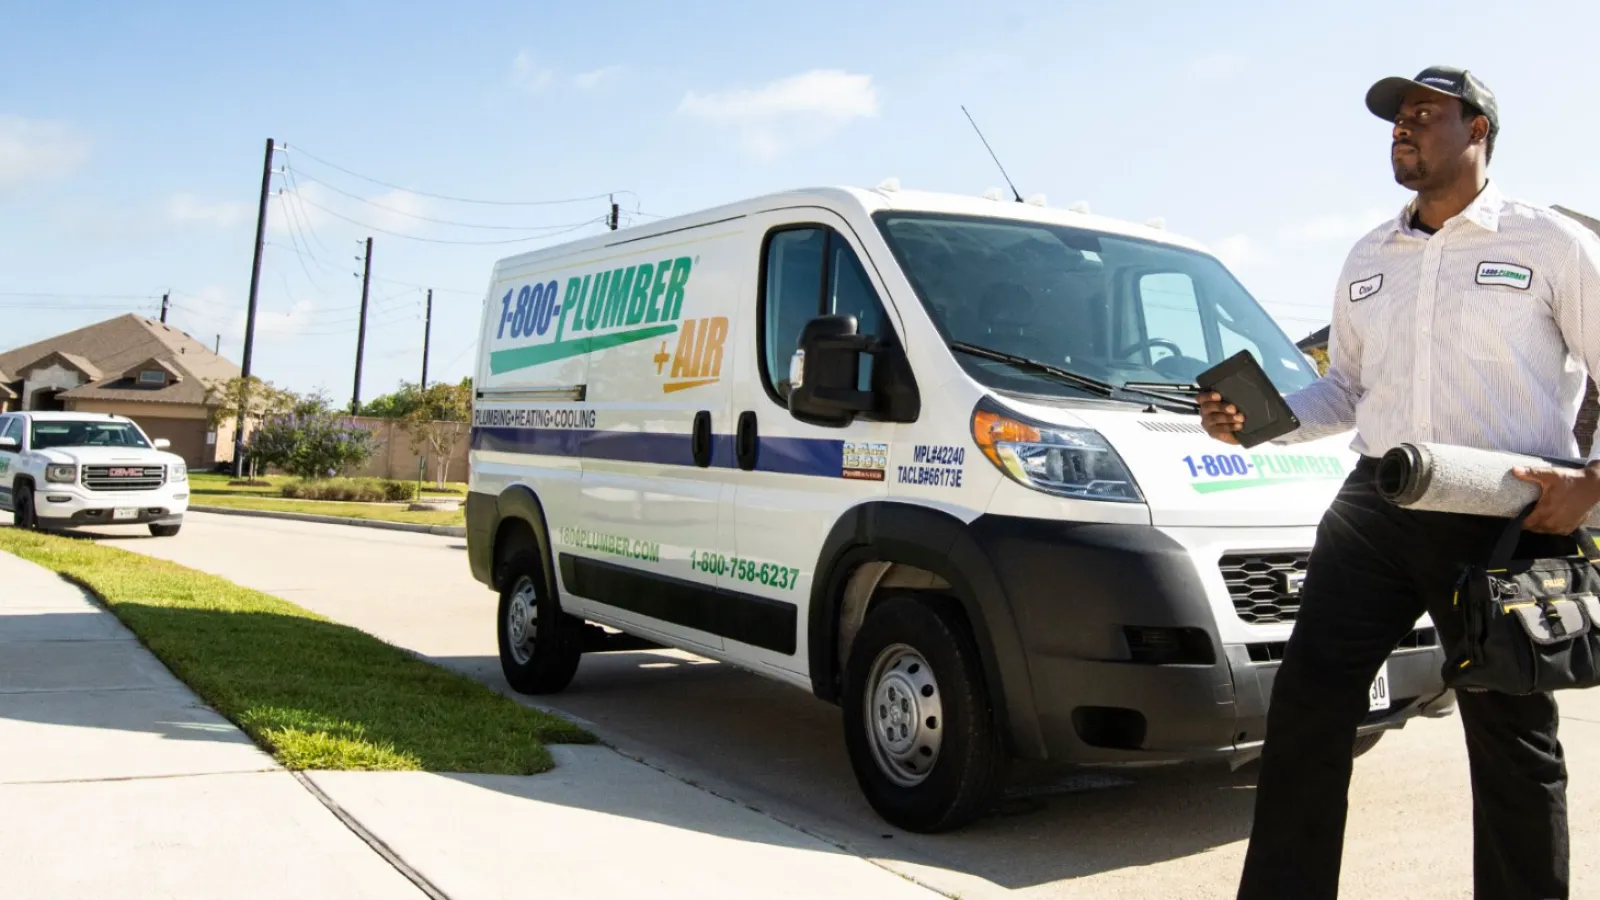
[(1220, 418), (1566, 497)]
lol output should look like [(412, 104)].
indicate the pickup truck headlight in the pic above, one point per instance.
[(61, 474), (1069, 462), (180, 472)]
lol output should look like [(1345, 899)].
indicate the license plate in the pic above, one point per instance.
[(124, 514), (1378, 694)]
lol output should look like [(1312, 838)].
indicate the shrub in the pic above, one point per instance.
[(350, 490), (312, 440)]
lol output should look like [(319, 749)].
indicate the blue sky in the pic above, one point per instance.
[(131, 139)]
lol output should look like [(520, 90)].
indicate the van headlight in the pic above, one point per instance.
[(61, 474), (1069, 462)]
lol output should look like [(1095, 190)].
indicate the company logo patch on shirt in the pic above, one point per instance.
[(1506, 274), (1361, 290)]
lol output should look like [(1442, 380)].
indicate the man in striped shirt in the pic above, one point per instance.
[(1470, 319)]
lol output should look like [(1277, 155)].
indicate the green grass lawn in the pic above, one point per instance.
[(207, 489), (379, 511), (312, 692)]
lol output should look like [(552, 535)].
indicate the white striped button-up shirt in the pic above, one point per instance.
[(1479, 335)]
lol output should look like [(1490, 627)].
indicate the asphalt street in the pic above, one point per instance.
[(778, 750)]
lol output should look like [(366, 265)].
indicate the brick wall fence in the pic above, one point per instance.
[(395, 458), (1588, 416)]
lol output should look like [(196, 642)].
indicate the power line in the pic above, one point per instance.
[(419, 216), (397, 187), (47, 296), (305, 217), (565, 229)]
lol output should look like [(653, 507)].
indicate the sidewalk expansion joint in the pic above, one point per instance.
[(378, 846), (166, 777)]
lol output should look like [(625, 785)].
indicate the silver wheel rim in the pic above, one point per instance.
[(522, 621), (905, 715)]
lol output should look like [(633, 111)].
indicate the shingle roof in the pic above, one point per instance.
[(1318, 338), (1592, 224), (116, 345)]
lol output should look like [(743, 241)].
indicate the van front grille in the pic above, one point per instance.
[(1265, 587), (124, 478)]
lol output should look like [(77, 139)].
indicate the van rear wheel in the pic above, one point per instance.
[(539, 644), (919, 723)]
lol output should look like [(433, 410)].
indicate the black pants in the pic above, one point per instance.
[(1373, 570)]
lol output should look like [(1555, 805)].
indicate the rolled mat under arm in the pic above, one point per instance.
[(1448, 478)]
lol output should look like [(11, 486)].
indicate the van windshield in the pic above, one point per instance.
[(1116, 309)]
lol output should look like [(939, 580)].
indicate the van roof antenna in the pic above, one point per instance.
[(996, 159)]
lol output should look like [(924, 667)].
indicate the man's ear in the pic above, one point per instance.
[(1480, 129)]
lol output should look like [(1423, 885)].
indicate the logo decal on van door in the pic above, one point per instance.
[(609, 309), (697, 361)]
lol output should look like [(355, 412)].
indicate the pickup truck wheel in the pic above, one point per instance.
[(157, 530), (919, 722), (1366, 742), (22, 514), (539, 644)]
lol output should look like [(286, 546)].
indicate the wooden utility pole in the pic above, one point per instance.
[(250, 312), (427, 330), (361, 335)]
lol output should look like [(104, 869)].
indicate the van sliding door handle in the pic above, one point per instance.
[(700, 439), (745, 442)]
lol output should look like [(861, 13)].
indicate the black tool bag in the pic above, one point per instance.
[(1529, 625)]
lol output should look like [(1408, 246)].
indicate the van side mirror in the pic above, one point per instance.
[(162, 444), (825, 371)]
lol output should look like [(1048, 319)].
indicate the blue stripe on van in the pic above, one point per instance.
[(822, 457)]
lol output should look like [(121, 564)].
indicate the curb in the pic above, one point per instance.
[(446, 530)]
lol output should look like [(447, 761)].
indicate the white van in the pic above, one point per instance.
[(930, 457)]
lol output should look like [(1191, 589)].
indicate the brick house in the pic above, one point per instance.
[(146, 370), (1588, 413)]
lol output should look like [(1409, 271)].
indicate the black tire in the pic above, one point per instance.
[(158, 530), (23, 515), (1365, 742), (970, 765), (547, 663)]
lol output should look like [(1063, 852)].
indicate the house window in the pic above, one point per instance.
[(152, 376)]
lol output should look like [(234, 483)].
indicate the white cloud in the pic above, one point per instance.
[(588, 81), (1217, 66), (1338, 227), (807, 107), (187, 209), (32, 150), (528, 76), (1239, 251)]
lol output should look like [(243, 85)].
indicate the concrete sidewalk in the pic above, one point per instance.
[(116, 781)]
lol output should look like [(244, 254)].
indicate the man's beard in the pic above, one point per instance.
[(1411, 173)]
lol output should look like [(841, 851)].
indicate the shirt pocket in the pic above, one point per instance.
[(1488, 326)]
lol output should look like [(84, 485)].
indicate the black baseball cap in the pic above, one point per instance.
[(1385, 97)]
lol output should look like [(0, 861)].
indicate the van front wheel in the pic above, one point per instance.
[(919, 723), (539, 644)]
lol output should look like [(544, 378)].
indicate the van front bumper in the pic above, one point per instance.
[(1124, 658)]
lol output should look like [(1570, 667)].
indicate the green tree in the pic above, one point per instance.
[(262, 399), (1320, 354), (437, 423)]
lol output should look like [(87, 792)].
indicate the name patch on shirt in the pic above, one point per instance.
[(1361, 290), (1505, 274)]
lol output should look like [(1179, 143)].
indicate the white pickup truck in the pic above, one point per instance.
[(71, 469)]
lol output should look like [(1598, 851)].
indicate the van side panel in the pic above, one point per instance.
[(638, 544)]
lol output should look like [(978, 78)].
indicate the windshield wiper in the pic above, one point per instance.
[(1093, 385)]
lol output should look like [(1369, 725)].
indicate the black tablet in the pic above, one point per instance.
[(1242, 382)]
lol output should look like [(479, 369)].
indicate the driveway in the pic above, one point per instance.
[(777, 749)]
